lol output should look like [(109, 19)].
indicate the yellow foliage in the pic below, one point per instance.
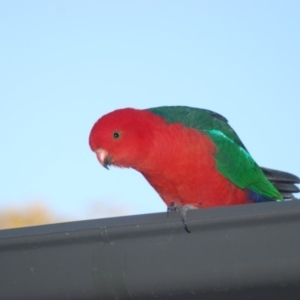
[(34, 214)]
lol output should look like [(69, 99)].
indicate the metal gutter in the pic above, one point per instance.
[(240, 252)]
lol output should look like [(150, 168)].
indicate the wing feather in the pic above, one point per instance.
[(232, 158)]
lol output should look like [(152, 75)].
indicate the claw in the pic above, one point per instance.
[(183, 209), (186, 228)]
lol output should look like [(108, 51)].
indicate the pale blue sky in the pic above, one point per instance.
[(63, 64)]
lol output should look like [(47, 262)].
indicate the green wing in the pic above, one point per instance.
[(233, 159)]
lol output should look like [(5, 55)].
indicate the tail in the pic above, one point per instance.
[(284, 182)]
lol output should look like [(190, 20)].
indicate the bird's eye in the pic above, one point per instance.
[(116, 135)]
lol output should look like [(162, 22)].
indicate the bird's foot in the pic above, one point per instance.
[(173, 207), (183, 209)]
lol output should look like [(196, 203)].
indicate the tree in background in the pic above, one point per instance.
[(36, 213)]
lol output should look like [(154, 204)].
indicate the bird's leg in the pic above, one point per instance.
[(172, 207), (183, 209)]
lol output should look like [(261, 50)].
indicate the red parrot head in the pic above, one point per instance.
[(122, 137)]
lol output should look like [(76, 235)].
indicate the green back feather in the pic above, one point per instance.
[(232, 158)]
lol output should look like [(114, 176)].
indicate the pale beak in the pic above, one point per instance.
[(103, 157)]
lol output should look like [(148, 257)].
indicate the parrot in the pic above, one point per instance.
[(191, 156)]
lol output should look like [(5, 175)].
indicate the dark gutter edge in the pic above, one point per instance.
[(232, 252)]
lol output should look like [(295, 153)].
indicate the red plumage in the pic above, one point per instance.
[(177, 161)]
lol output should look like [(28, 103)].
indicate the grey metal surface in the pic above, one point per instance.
[(241, 252)]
